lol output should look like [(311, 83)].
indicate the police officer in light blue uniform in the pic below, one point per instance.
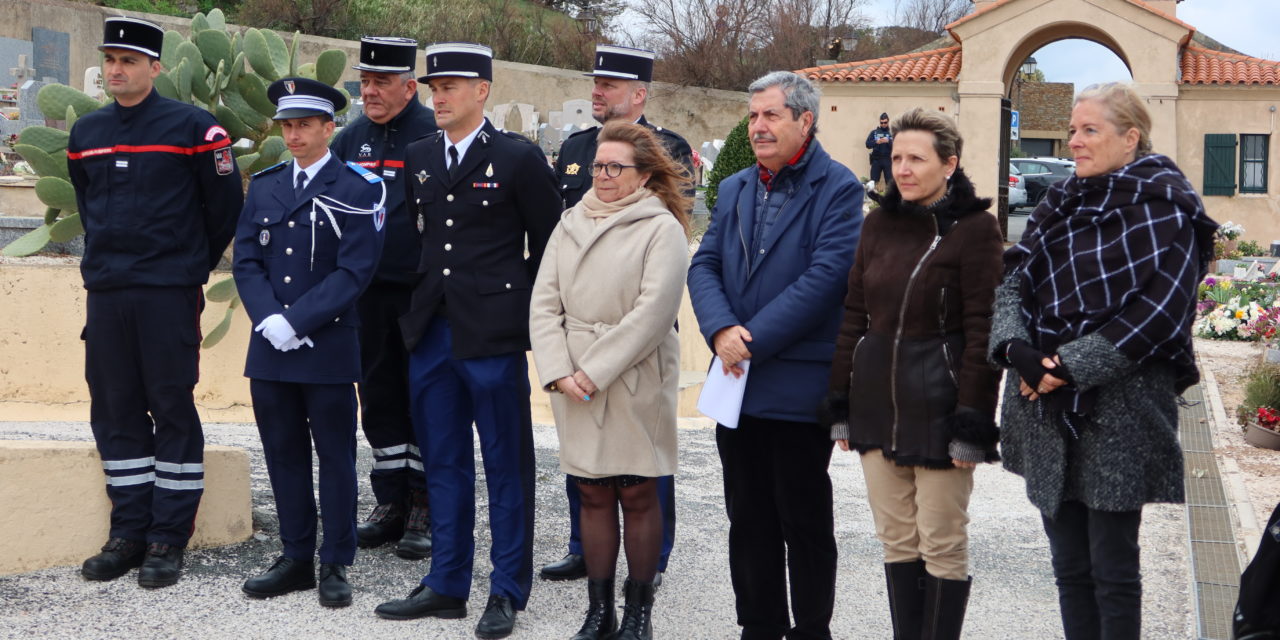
[(306, 247)]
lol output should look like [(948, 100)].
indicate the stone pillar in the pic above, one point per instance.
[(979, 120)]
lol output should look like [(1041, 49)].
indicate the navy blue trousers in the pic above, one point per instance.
[(666, 499), (290, 417), (384, 394), (142, 356), (448, 395)]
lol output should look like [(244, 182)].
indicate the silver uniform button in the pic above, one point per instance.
[(265, 219), (286, 306), (484, 203), (449, 222), (291, 223), (322, 223), (448, 247), (449, 197), (287, 279), (447, 272), (337, 318), (508, 285), (289, 251)]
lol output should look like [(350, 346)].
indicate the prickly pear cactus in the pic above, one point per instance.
[(224, 72)]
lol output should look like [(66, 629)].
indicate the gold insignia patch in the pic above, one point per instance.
[(572, 170)]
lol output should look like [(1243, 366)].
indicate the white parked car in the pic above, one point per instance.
[(1017, 189)]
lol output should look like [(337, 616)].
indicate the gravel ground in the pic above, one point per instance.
[(1013, 595)]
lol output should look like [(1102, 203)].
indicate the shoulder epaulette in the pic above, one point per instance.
[(582, 131), (369, 176), (515, 136), (271, 169)]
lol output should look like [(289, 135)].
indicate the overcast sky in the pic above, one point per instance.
[(1247, 26)]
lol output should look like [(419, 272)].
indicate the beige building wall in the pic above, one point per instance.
[(698, 114), (849, 111), (1248, 110)]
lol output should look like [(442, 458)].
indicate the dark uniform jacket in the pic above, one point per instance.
[(278, 269), (158, 191), (380, 148), (573, 167), (473, 266), (880, 151)]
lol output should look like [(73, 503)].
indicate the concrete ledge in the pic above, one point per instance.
[(57, 512)]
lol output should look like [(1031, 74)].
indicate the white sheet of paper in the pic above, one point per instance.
[(721, 398)]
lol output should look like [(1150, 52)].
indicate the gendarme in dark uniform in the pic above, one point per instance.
[(579, 149), (377, 141), (468, 330), (307, 245), (158, 193), (634, 67)]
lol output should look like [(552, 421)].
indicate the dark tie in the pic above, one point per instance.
[(302, 182), (453, 163)]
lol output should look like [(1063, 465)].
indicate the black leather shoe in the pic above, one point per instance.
[(335, 591), (162, 567), (285, 576), (423, 603), (571, 567), (499, 618), (385, 524), (118, 556)]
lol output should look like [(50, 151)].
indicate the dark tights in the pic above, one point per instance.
[(642, 529)]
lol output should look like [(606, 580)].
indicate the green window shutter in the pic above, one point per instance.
[(1219, 164)]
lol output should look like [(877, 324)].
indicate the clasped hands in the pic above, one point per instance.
[(730, 344), (277, 329), (577, 387), (1036, 367)]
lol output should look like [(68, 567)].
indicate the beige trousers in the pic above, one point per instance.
[(921, 513)]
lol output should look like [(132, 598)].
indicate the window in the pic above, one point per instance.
[(1253, 163), (1219, 164)]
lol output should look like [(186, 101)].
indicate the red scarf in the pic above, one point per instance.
[(767, 176)]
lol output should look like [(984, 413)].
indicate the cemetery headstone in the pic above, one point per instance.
[(578, 112), (14, 55), (93, 83), (52, 54)]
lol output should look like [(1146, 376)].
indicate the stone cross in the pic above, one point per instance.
[(21, 72)]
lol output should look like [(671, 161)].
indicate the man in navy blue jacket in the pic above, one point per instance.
[(377, 141), (158, 193), (307, 245), (767, 286)]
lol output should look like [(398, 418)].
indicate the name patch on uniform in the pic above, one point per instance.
[(389, 173), (264, 238), (122, 164), (224, 161), (484, 185)]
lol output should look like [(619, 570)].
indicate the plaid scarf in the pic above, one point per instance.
[(1120, 254)]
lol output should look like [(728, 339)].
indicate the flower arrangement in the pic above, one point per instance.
[(1224, 241), (1229, 230), (1268, 418), (1237, 310)]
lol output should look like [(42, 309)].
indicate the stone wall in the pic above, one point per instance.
[(1044, 106), (696, 113)]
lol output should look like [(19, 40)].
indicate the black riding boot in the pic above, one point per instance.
[(945, 602), (906, 597)]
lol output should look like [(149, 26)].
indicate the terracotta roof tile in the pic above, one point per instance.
[(1206, 66), (937, 65)]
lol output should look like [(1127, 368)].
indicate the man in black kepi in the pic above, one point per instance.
[(307, 245), (622, 77), (377, 141), (158, 192), (481, 197)]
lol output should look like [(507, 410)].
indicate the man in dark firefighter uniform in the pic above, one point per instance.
[(158, 193), (622, 77), (480, 196), (307, 245), (392, 119)]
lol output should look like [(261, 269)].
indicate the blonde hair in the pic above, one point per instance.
[(1124, 109), (946, 136), (667, 178)]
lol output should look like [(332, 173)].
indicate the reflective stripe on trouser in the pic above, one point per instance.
[(290, 416), (448, 395), (921, 513), (141, 364), (384, 393)]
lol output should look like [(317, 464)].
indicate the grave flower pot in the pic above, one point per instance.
[(1261, 437)]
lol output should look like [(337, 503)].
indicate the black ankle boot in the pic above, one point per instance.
[(637, 613), (945, 602), (602, 618), (906, 597), (415, 544)]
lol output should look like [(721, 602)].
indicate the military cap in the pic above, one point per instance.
[(459, 59), (623, 62), (387, 55), (303, 97), (119, 32)]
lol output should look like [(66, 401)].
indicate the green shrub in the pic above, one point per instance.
[(1251, 248), (734, 157), (1261, 389)]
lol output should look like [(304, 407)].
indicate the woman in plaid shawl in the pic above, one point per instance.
[(1094, 320)]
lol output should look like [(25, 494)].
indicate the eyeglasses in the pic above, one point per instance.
[(611, 169), (884, 122)]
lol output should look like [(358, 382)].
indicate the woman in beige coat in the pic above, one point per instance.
[(602, 323)]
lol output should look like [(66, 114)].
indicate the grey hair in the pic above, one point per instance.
[(407, 76), (801, 94)]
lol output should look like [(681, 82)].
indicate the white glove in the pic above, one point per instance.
[(276, 329), (295, 343)]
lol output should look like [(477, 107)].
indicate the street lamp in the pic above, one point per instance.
[(1028, 67), (587, 21)]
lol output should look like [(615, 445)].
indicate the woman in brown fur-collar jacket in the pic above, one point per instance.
[(911, 389)]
